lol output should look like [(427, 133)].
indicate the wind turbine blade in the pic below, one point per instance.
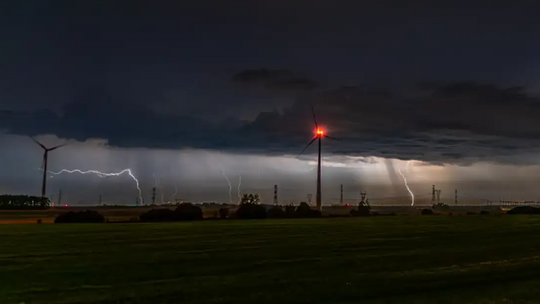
[(314, 138), (54, 148), (37, 142), (333, 138), (314, 119)]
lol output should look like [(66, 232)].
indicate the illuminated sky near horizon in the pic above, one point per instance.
[(197, 176), (178, 89)]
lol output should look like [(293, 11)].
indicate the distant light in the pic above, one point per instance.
[(65, 205), (320, 132)]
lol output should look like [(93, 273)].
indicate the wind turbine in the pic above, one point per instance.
[(319, 134), (44, 164)]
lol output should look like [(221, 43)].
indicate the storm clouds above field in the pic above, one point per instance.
[(455, 86), (439, 123)]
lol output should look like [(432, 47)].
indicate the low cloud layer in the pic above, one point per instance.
[(439, 123), (284, 80)]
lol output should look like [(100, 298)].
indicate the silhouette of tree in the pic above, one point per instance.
[(290, 211), (22, 202), (223, 213), (427, 212), (305, 211), (250, 199), (276, 212), (364, 209), (250, 208), (524, 210), (188, 212), (158, 215)]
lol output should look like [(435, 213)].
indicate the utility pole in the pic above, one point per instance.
[(433, 199), (275, 195), (60, 198), (153, 195), (341, 195), (455, 197)]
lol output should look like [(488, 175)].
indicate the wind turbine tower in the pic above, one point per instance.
[(319, 134), (45, 163), (341, 195), (275, 195)]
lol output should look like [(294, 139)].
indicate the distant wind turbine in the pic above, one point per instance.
[(319, 134), (45, 163)]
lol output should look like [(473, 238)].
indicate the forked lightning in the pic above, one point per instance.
[(103, 174), (406, 184)]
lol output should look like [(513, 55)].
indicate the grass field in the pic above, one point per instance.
[(403, 259)]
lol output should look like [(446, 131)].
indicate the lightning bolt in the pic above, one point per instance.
[(229, 182), (102, 175), (406, 184), (239, 184)]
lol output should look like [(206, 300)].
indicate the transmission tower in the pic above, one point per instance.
[(341, 195), (455, 197), (60, 197), (309, 198), (438, 192), (275, 195), (153, 195), (433, 196)]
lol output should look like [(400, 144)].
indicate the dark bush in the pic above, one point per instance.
[(484, 212), (427, 212), (276, 212), (471, 213), (250, 211), (353, 212), (158, 215), (363, 210), (289, 211), (80, 217), (223, 213), (524, 210), (305, 211), (188, 212)]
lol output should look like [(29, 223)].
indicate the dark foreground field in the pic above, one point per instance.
[(441, 259)]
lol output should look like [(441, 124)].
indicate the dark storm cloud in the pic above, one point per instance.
[(442, 123), (261, 76), (276, 79)]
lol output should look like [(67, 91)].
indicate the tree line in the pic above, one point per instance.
[(23, 202)]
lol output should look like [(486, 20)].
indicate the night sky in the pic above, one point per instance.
[(187, 90)]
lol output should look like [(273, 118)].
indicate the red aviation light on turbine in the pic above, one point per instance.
[(319, 132)]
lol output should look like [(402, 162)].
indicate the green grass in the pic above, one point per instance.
[(460, 259)]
